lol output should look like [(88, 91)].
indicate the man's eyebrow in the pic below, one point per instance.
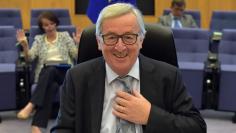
[(112, 33)]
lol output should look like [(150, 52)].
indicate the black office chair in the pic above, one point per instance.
[(158, 44)]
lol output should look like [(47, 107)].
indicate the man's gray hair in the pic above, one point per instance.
[(116, 10)]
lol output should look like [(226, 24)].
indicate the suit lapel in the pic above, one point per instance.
[(185, 21), (146, 76), (97, 87), (169, 20), (146, 87)]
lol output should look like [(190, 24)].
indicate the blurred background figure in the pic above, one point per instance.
[(177, 18), (51, 46)]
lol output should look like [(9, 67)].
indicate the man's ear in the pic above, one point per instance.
[(141, 41), (99, 43)]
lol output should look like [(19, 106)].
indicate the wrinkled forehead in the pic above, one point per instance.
[(123, 23)]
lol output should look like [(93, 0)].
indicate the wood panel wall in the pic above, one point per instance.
[(205, 6)]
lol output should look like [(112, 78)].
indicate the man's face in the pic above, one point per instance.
[(177, 11), (120, 56)]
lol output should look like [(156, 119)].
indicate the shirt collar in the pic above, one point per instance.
[(173, 17), (134, 72)]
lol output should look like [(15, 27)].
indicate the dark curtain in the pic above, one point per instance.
[(147, 7)]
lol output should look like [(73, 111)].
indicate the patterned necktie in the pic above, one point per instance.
[(176, 23), (124, 126)]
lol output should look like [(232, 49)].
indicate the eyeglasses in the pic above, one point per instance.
[(112, 39)]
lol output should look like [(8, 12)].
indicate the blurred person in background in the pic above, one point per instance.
[(177, 18), (51, 46)]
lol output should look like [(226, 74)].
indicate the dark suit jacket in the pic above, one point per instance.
[(186, 20), (82, 97)]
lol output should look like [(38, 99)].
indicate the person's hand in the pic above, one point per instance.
[(132, 107), (21, 38), (77, 35)]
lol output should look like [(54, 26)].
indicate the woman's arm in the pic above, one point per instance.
[(21, 38)]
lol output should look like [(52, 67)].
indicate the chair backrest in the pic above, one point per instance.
[(223, 20), (194, 13), (34, 30), (62, 14), (191, 44), (8, 58), (10, 17), (227, 47), (8, 49), (158, 44)]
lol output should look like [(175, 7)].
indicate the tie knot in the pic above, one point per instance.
[(176, 18), (126, 83)]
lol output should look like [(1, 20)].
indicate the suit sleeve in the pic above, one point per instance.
[(183, 117), (65, 122)]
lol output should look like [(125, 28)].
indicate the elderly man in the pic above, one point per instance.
[(124, 91)]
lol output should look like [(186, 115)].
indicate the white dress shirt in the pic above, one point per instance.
[(173, 22)]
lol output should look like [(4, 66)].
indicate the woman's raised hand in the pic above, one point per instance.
[(77, 35), (21, 38)]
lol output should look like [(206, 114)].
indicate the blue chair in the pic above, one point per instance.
[(10, 17), (62, 14), (8, 58), (223, 20), (194, 13), (227, 57), (192, 50)]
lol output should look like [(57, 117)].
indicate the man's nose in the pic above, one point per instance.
[(120, 46)]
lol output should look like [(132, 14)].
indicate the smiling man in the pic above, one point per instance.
[(124, 91)]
